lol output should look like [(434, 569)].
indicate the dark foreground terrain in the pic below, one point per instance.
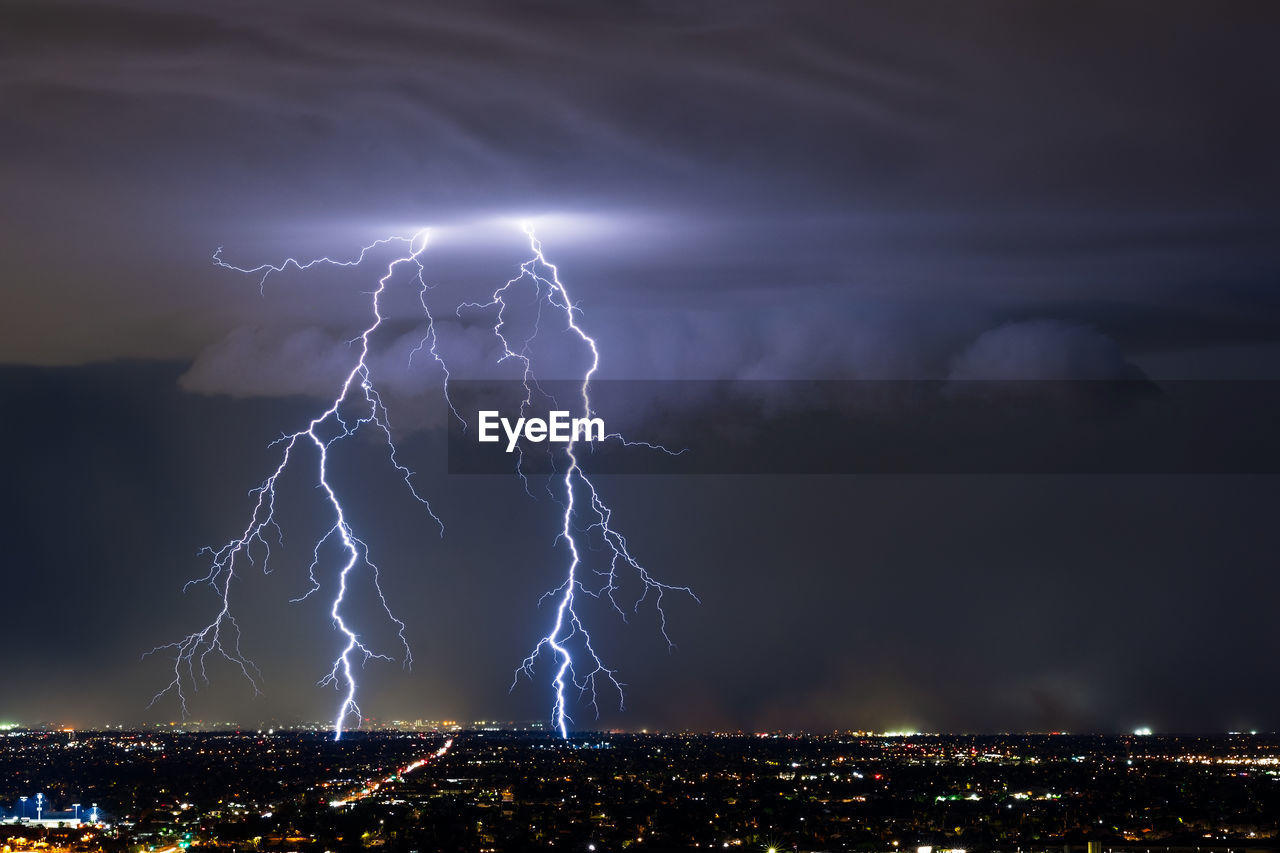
[(492, 790)]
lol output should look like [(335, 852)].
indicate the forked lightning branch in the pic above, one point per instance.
[(559, 427), (341, 559)]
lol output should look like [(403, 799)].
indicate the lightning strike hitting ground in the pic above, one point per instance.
[(221, 637), (581, 502), (586, 518)]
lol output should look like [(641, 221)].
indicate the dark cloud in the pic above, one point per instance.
[(1043, 350), (997, 157)]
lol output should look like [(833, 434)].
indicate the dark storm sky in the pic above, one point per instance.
[(732, 190)]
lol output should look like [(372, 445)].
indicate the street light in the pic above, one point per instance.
[(39, 805), (23, 816), (76, 806)]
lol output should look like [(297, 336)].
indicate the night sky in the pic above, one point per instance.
[(736, 190)]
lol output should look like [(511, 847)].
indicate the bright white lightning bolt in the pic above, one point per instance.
[(577, 486), (221, 637), (579, 499)]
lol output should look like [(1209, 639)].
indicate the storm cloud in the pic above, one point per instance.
[(1000, 158)]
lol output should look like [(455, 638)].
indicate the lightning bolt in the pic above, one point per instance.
[(585, 516), (355, 406), (586, 521)]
